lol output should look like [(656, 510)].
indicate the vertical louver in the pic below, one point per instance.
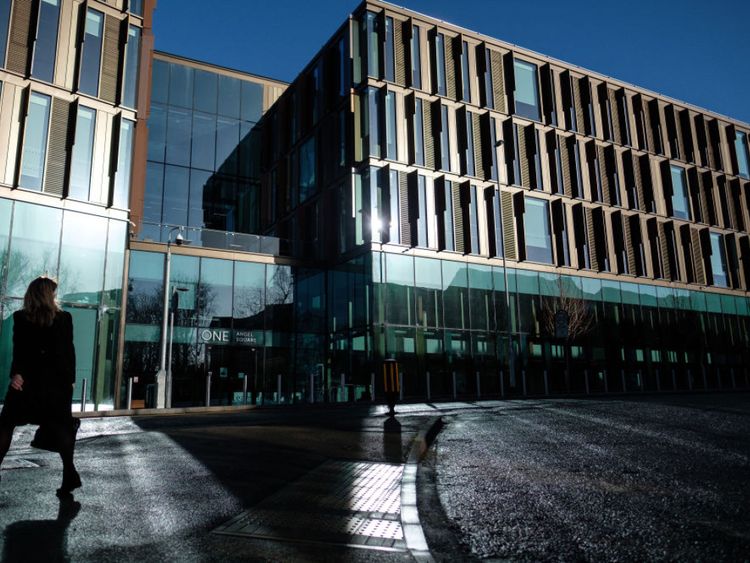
[(405, 215), (591, 239), (509, 226), (429, 135), (459, 224), (450, 65), (523, 155), (604, 174), (664, 250), (565, 165), (628, 242), (399, 53), (110, 60), (578, 103), (699, 269), (19, 48), (57, 157), (478, 152), (498, 81)]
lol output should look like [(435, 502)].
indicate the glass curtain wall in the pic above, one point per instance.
[(86, 254)]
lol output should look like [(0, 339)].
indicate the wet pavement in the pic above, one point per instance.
[(628, 479)]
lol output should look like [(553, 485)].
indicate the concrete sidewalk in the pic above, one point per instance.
[(266, 484)]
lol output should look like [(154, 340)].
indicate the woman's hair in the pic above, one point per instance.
[(39, 302)]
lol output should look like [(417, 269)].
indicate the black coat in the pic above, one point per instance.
[(45, 358)]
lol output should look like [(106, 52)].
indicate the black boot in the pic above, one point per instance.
[(71, 481)]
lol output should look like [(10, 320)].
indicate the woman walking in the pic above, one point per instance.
[(42, 376)]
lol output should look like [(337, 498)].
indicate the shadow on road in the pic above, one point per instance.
[(40, 540)]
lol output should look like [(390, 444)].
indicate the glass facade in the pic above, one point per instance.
[(45, 45), (202, 169), (35, 142), (743, 156), (91, 51), (680, 202), (537, 230), (83, 148), (86, 254)]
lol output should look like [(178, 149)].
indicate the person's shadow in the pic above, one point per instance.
[(41, 540), (392, 447)]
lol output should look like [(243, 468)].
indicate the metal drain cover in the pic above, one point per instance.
[(350, 503)]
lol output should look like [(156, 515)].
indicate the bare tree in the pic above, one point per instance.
[(574, 313)]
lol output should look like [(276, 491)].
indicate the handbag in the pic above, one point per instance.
[(44, 438)]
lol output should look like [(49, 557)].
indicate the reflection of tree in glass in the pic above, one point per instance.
[(281, 288), (248, 302), (579, 312), (25, 266)]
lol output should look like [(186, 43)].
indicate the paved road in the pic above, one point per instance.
[(629, 479), (156, 489)]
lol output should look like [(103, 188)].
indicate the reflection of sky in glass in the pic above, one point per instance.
[(84, 241)]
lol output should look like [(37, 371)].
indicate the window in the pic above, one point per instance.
[(45, 45), (373, 62), (343, 63), (80, 168), (91, 48), (121, 191), (416, 58), (132, 52), (466, 85), (445, 148), (35, 141), (442, 87), (390, 71), (537, 231), (445, 218), (372, 117), (136, 7), (307, 182), (526, 94), (740, 145), (394, 209), (4, 20), (391, 150), (680, 204), (719, 261), (418, 132), (489, 93)]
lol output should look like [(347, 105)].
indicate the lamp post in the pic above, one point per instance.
[(511, 352), (174, 305), (161, 375)]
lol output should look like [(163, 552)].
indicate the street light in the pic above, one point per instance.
[(511, 351), (161, 375), (172, 312)]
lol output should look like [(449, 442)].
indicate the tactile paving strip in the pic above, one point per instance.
[(350, 503)]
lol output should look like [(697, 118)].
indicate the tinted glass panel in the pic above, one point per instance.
[(4, 20), (180, 85), (92, 49), (35, 142), (718, 261), (176, 186), (157, 133), (252, 101), (84, 241), (124, 164), (390, 123), (159, 82), (416, 58), (680, 204), (389, 61), (740, 145), (440, 64), (307, 184), (132, 52), (136, 7), (204, 141), (206, 91), (33, 251), (116, 242), (526, 94), (154, 189), (80, 171), (229, 96), (45, 46), (536, 224), (178, 137)]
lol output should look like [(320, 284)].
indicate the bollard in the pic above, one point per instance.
[(343, 396), (244, 389), (454, 385), (401, 386), (606, 385), (479, 390), (428, 386), (83, 396), (734, 383), (674, 380), (586, 381), (130, 393), (658, 379), (278, 388), (690, 379), (718, 376), (546, 383), (311, 392), (523, 380), (208, 389), (502, 384), (705, 381), (372, 386), (622, 374)]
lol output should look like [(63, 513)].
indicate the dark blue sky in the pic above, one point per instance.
[(693, 50)]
